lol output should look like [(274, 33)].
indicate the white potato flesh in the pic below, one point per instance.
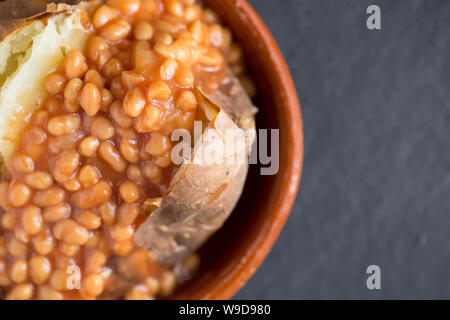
[(26, 58)]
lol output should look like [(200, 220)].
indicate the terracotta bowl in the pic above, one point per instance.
[(233, 254)]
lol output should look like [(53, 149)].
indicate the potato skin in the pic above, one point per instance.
[(15, 13), (201, 197)]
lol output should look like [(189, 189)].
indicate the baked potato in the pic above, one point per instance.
[(36, 37)]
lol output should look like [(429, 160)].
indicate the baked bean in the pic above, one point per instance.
[(119, 116), (128, 213), (95, 260), (197, 30), (88, 146), (94, 77), (75, 64), (158, 144), (48, 197), (62, 125), (168, 69), (143, 31), (152, 285), (21, 234), (113, 68), (186, 101), (107, 99), (39, 118), (184, 77), (9, 220), (151, 170), (4, 277), (175, 7), (54, 105), (69, 250), (3, 250), (164, 161), (163, 38), (72, 185), (129, 191), (126, 7), (192, 13), (63, 262), (16, 248), (134, 102), (32, 220), (49, 293), (121, 233), (129, 150), (94, 240), (103, 15), (19, 271), (35, 135), (167, 283), (211, 58), (131, 79), (93, 284), (102, 128), (116, 30), (55, 83), (88, 175), (18, 193), (88, 219), (134, 173), (159, 90), (143, 57), (98, 50), (66, 164), (90, 99), (93, 196), (40, 269), (4, 202), (70, 232), (108, 213), (71, 92), (126, 133), (22, 291), (117, 89), (148, 120), (179, 50), (58, 279), (22, 163), (123, 248), (57, 212), (138, 292), (43, 243), (109, 153)]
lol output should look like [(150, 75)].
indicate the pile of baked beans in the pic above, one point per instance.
[(100, 145)]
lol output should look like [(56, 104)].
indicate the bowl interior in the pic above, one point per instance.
[(233, 254)]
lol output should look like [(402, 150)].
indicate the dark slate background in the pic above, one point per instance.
[(376, 178)]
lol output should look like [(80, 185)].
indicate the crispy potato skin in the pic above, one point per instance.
[(15, 13), (202, 197)]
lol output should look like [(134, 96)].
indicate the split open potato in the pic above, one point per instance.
[(35, 38)]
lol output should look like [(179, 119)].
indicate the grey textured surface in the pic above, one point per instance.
[(376, 177)]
